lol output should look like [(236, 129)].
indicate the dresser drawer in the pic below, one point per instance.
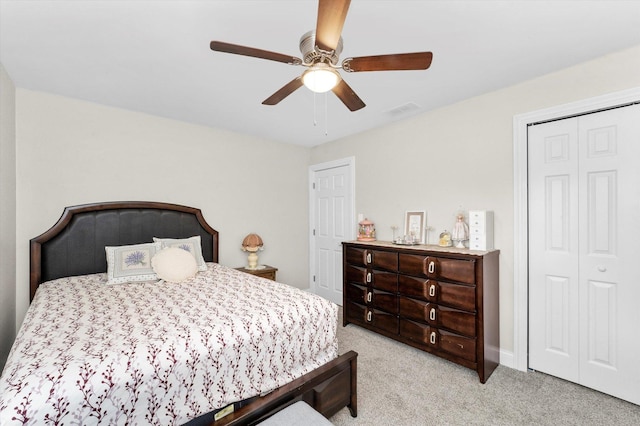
[(478, 221), (382, 280), (477, 231), (461, 270), (454, 295), (477, 242), (460, 346), (438, 316), (378, 259), (420, 333), (372, 317), (373, 298)]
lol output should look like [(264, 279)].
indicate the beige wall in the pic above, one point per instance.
[(7, 214), (461, 156), (73, 152)]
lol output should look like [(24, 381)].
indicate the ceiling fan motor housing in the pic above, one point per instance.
[(312, 55)]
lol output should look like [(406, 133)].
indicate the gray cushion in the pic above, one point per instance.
[(300, 414)]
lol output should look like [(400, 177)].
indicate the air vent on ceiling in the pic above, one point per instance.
[(404, 109)]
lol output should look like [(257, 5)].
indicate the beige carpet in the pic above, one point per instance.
[(399, 385)]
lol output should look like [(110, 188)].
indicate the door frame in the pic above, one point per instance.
[(350, 162), (520, 208)]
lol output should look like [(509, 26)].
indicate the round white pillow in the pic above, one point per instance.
[(174, 264)]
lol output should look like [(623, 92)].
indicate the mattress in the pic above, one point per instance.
[(157, 352)]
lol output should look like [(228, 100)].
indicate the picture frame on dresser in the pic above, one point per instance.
[(415, 222)]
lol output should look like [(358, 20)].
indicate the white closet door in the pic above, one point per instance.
[(553, 249), (609, 268), (584, 285)]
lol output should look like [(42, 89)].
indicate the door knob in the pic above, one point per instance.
[(602, 268)]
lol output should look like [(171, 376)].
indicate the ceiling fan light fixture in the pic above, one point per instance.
[(320, 78)]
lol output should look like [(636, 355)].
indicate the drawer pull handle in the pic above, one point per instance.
[(432, 267), (369, 297), (368, 277), (432, 290), (369, 316), (368, 258), (432, 338), (432, 314)]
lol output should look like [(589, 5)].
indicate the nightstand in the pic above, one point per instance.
[(268, 272)]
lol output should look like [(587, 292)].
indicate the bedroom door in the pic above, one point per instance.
[(584, 286), (331, 224)]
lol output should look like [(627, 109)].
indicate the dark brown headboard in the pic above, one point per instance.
[(75, 244)]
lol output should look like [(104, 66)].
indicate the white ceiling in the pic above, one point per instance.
[(154, 56)]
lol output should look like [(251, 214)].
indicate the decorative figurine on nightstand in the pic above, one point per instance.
[(460, 232), (252, 243), (366, 231)]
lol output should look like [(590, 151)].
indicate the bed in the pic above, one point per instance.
[(221, 348)]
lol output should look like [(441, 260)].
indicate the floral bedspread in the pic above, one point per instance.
[(160, 353)]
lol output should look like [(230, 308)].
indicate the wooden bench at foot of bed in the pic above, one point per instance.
[(327, 389)]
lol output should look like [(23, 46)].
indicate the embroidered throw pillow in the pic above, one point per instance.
[(131, 263)]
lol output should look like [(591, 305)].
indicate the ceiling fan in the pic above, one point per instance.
[(320, 51)]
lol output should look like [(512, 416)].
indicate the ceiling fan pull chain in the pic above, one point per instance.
[(315, 112), (326, 115)]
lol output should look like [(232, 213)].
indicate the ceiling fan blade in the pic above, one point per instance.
[(397, 62), (331, 16), (348, 96), (285, 91), (220, 46)]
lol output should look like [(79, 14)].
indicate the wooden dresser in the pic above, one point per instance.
[(441, 300)]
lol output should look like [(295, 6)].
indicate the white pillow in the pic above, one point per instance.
[(192, 244), (131, 263), (174, 265)]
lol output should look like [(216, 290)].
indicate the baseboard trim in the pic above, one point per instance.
[(507, 359)]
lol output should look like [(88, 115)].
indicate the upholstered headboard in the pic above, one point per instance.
[(75, 244)]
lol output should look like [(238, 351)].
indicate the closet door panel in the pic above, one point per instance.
[(584, 201)]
